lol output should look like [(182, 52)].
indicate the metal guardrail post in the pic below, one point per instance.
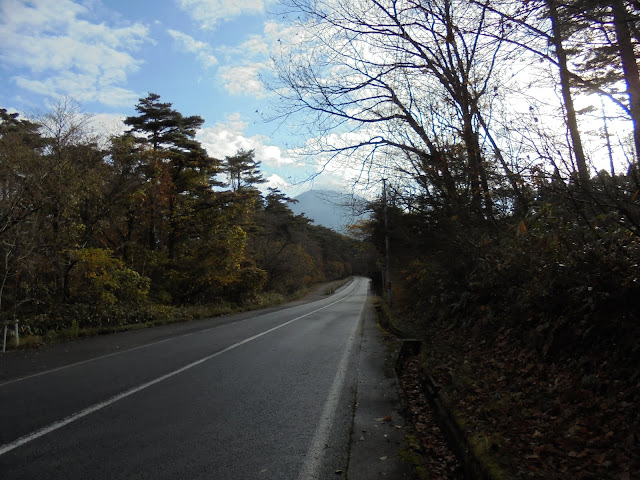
[(16, 335)]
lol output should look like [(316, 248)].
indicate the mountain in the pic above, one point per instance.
[(330, 208)]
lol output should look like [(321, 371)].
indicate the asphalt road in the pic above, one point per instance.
[(270, 395)]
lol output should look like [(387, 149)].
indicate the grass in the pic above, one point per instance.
[(484, 446), (412, 454), (331, 289), (157, 315)]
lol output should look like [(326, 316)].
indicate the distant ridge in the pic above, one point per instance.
[(329, 208)]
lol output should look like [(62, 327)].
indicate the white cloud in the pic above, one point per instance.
[(201, 49), (108, 123), (209, 13), (79, 87), (250, 60), (276, 181), (288, 170), (226, 138), (284, 38), (57, 53), (245, 63), (254, 46), (243, 79)]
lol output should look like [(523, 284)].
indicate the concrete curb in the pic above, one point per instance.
[(456, 438), (378, 426)]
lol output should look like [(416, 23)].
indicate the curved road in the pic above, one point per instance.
[(268, 396)]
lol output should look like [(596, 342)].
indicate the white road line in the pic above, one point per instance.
[(120, 352), (98, 406), (311, 468)]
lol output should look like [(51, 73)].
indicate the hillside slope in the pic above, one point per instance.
[(329, 208)]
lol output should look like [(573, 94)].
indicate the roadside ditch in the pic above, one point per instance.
[(435, 446)]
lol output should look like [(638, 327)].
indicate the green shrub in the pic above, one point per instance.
[(99, 278)]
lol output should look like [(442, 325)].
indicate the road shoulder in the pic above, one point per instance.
[(378, 428)]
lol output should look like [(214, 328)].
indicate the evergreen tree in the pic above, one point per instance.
[(20, 147), (608, 37), (242, 170), (21, 201), (178, 170)]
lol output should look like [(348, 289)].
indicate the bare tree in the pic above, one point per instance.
[(407, 82)]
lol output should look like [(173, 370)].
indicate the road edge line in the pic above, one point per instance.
[(311, 467), (7, 447)]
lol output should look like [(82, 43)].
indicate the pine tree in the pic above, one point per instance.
[(178, 169), (605, 33), (242, 170)]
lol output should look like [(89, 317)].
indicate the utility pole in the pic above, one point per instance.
[(387, 275)]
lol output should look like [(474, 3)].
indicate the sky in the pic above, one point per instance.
[(203, 56)]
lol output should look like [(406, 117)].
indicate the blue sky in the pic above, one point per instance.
[(203, 56)]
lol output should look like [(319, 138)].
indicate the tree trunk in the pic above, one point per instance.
[(479, 183), (621, 18), (572, 121), (173, 230), (521, 203)]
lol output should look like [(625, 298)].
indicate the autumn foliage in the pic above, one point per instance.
[(530, 328), (97, 233)]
